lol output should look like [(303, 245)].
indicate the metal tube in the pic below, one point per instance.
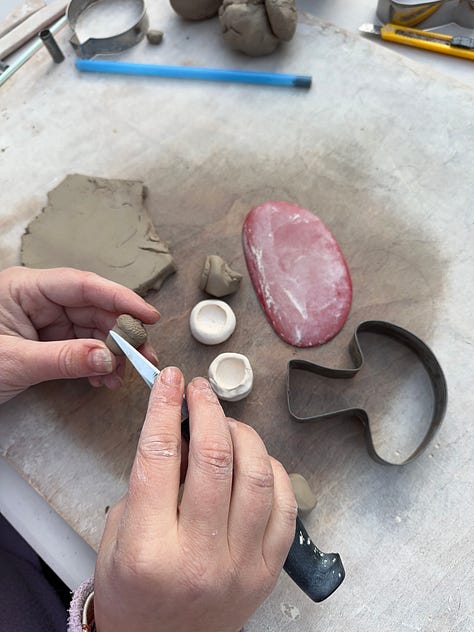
[(51, 46)]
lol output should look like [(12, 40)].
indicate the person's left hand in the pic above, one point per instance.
[(53, 324)]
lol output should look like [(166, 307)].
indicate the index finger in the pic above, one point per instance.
[(75, 288), (204, 508), (151, 507)]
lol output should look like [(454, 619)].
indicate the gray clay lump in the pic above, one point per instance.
[(131, 329), (257, 27), (217, 278)]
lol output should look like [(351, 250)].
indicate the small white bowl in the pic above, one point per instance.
[(231, 376), (212, 322)]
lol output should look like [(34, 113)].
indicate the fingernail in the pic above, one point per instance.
[(200, 383), (171, 375), (154, 358), (100, 361)]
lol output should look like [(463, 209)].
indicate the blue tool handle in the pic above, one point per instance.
[(189, 72), (318, 574)]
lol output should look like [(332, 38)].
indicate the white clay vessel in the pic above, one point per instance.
[(212, 322), (231, 376)]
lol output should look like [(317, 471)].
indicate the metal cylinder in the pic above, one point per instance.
[(51, 45)]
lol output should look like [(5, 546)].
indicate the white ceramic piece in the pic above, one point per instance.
[(231, 376), (212, 322)]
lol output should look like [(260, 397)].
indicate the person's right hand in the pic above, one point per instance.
[(206, 564)]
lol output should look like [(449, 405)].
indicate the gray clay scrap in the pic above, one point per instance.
[(305, 497), (99, 225), (131, 329), (217, 278), (254, 27)]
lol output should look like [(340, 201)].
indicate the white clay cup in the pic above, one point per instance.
[(212, 322), (231, 376)]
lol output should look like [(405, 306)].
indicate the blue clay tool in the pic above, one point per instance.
[(190, 72)]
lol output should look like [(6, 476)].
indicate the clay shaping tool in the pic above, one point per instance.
[(455, 45), (29, 52), (148, 372), (32, 26), (190, 72), (404, 337), (318, 574), (19, 14)]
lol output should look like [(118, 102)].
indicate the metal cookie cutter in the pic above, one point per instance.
[(105, 45), (425, 356), (429, 12)]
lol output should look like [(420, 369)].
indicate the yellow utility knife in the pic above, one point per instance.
[(456, 45)]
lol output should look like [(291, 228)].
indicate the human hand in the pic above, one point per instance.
[(206, 564), (53, 323)]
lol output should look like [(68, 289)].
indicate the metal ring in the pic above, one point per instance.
[(105, 45), (425, 356)]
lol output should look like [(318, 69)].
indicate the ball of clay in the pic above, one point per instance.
[(256, 27), (217, 278), (305, 497), (196, 9), (231, 376), (131, 329)]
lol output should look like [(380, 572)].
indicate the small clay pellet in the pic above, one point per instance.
[(154, 37), (305, 497), (131, 329)]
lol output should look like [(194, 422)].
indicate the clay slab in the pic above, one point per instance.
[(99, 225)]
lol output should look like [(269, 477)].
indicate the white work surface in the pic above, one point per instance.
[(380, 141)]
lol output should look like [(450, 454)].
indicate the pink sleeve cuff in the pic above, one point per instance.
[(81, 610)]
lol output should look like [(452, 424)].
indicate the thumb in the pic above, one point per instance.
[(44, 361)]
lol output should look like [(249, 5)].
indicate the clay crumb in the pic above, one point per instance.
[(131, 329), (154, 37)]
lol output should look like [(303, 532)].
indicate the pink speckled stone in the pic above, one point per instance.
[(298, 271)]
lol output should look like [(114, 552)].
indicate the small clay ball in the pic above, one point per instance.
[(196, 9), (155, 37), (131, 329), (305, 497)]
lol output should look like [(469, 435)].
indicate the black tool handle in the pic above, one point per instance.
[(318, 574)]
